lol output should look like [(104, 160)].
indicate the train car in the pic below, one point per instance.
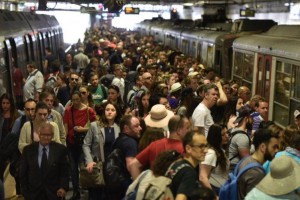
[(23, 37), (269, 63), (158, 28)]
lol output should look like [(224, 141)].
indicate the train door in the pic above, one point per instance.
[(263, 77), (199, 52), (5, 85), (210, 55), (7, 72), (28, 51)]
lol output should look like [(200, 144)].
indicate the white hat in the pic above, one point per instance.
[(159, 116), (284, 177), (296, 113), (175, 87)]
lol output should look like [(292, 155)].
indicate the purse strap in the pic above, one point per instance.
[(72, 112), (100, 143)]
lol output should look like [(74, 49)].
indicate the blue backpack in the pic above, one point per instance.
[(229, 191)]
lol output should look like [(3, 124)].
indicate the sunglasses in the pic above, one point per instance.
[(82, 92), (74, 79)]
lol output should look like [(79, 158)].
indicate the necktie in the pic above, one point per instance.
[(44, 160)]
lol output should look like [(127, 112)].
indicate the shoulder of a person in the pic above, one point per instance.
[(54, 124)]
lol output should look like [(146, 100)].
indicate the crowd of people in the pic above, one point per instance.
[(181, 127)]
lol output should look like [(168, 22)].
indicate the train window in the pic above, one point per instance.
[(210, 55), (281, 114), (296, 83), (248, 67), (283, 83), (238, 63)]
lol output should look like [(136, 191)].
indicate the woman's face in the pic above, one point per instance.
[(113, 95), (172, 80), (239, 103), (76, 100), (110, 112), (5, 105), (145, 101), (59, 82), (225, 137), (84, 93)]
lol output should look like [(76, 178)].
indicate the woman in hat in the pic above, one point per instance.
[(281, 183)]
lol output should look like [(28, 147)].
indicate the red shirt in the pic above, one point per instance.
[(80, 119), (148, 155)]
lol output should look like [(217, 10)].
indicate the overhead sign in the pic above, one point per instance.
[(132, 10), (247, 13)]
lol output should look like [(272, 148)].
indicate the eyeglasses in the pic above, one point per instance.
[(42, 114), (82, 92), (74, 79), (46, 135), (200, 146), (30, 109)]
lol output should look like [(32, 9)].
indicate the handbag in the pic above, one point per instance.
[(79, 136), (95, 179)]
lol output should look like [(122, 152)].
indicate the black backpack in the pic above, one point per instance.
[(115, 171)]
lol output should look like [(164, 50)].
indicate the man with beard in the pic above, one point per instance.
[(266, 146)]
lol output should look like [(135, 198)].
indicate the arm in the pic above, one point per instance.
[(56, 137), (128, 161), (180, 197), (223, 98), (86, 147), (38, 85), (205, 171), (23, 136), (135, 168)]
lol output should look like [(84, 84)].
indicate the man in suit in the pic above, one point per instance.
[(44, 168)]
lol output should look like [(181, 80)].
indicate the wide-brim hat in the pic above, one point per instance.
[(284, 177), (297, 113), (159, 116), (175, 87)]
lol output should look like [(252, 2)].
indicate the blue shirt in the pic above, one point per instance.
[(41, 153)]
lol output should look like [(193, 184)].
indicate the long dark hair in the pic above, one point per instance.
[(230, 108), (103, 121), (13, 111), (214, 140)]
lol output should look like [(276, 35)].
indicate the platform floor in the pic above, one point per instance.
[(10, 191)]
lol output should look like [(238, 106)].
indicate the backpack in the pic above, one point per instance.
[(230, 188), (132, 195), (159, 189), (232, 134), (115, 171)]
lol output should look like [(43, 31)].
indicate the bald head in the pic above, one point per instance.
[(244, 93)]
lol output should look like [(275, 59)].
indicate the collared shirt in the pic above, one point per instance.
[(34, 83), (41, 153)]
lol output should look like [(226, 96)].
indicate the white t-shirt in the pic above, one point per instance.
[(217, 177), (202, 118)]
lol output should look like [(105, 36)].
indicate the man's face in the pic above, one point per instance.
[(186, 128), (29, 68), (30, 110), (135, 127), (212, 96), (262, 109), (147, 79), (49, 101), (194, 84), (271, 149), (74, 80), (118, 71), (94, 81), (199, 147), (42, 115), (45, 136)]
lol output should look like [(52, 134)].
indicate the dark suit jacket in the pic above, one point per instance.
[(38, 186)]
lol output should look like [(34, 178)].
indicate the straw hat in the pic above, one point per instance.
[(175, 87), (158, 117), (284, 177)]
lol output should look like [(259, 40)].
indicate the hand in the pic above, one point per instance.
[(90, 166), (61, 193)]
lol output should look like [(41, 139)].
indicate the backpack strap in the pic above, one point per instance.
[(247, 167), (32, 129), (140, 180), (103, 91), (235, 133), (172, 173)]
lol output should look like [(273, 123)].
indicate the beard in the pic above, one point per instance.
[(268, 156)]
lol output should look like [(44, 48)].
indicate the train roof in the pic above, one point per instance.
[(13, 24), (282, 41)]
